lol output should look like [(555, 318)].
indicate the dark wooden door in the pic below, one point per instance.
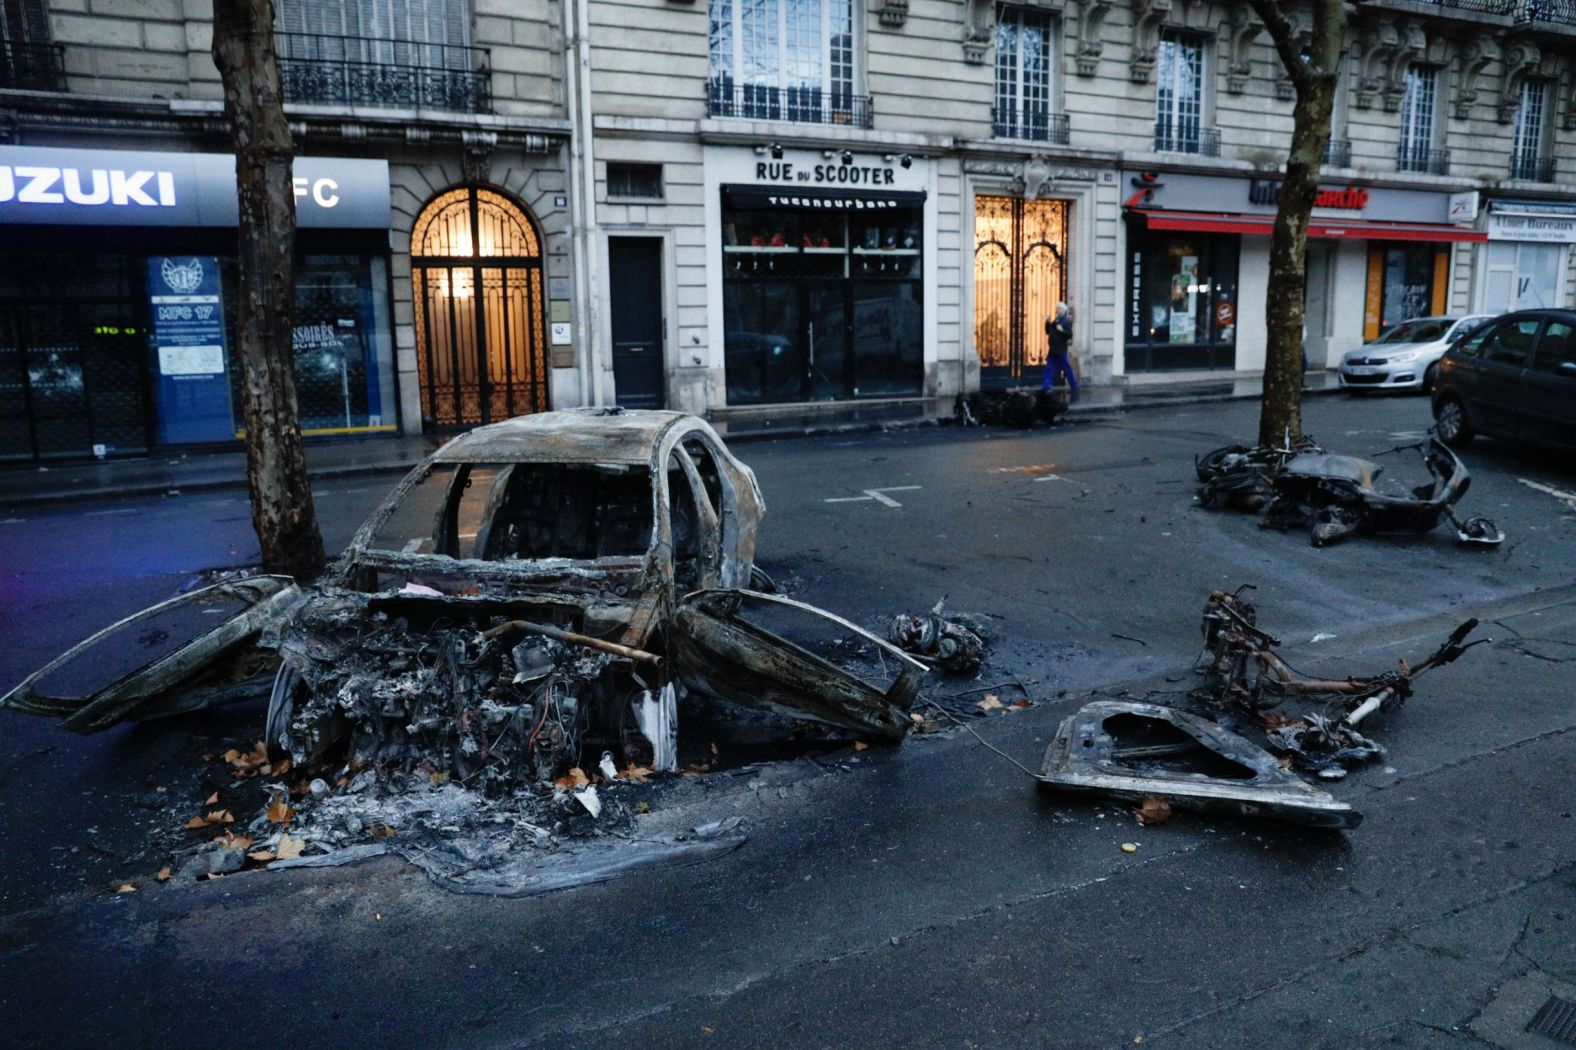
[(635, 279)]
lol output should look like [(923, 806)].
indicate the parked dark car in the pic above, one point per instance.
[(1514, 378)]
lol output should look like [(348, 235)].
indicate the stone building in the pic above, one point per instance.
[(432, 143), (817, 199), (726, 205)]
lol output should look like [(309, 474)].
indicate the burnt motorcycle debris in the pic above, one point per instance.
[(1133, 751), (1244, 674), (1017, 409), (1300, 485), (536, 593), (955, 644)]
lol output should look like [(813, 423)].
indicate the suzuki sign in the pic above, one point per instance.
[(72, 187)]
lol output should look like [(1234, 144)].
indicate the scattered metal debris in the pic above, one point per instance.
[(1134, 752), (1019, 409), (956, 644), (1335, 496)]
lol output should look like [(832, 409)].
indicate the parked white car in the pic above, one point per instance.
[(1407, 356)]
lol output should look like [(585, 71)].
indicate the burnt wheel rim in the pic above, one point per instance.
[(1449, 419)]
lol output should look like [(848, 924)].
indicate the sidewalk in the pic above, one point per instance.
[(32, 484)]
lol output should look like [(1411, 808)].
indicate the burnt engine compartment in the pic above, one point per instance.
[(446, 688)]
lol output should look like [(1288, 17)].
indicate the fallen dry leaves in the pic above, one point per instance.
[(217, 816), (211, 799), (637, 774), (575, 778), (164, 874), (289, 848), (230, 840), (125, 887), (255, 762), (1153, 811), (990, 703), (860, 745), (279, 811)]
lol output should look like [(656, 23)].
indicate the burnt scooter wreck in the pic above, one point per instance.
[(1139, 751), (537, 592), (1335, 496)]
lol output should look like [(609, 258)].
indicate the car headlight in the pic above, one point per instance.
[(1410, 355)]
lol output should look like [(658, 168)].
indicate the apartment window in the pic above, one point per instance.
[(27, 59), (404, 54), (1179, 94), (404, 32), (634, 180), (1419, 104), (784, 60), (1526, 148), (1025, 66)]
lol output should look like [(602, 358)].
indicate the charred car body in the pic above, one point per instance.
[(537, 589), (1335, 496)]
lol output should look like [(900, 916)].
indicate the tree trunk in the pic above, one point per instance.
[(282, 511), (1315, 76)]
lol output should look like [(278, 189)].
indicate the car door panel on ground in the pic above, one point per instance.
[(1548, 408), (1488, 374)]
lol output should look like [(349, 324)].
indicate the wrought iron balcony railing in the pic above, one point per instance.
[(798, 105), (398, 74), (1425, 161), (1034, 126), (1337, 154), (1187, 139), (1486, 7), (1560, 13), (32, 67), (1531, 167)]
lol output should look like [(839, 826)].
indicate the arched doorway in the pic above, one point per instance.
[(476, 277)]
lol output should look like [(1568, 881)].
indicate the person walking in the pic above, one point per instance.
[(1060, 330)]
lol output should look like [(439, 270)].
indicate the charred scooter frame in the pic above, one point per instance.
[(1335, 495)]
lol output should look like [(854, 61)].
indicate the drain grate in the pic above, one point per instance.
[(1555, 1019)]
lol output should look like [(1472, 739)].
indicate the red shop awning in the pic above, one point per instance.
[(1261, 225)]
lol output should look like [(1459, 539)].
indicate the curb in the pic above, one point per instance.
[(1075, 414)]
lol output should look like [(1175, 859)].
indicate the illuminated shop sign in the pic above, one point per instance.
[(72, 187)]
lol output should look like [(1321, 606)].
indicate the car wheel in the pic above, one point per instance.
[(1450, 421), (1430, 377)]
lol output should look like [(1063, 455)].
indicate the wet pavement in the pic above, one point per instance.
[(926, 895)]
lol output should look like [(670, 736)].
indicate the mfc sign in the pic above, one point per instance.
[(41, 185)]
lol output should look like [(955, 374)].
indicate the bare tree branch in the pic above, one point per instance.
[(1284, 36)]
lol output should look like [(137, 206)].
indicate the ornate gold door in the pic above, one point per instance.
[(476, 275), (1020, 274)]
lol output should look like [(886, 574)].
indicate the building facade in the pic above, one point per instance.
[(431, 190), (817, 199), (726, 205)]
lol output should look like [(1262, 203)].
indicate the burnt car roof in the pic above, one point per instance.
[(584, 435)]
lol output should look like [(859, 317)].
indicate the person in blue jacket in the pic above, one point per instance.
[(1060, 330)]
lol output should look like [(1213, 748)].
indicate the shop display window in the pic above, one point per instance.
[(1182, 310), (822, 304)]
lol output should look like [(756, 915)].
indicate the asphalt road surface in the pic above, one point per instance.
[(925, 895)]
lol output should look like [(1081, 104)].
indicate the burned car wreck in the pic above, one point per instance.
[(1300, 485), (537, 593)]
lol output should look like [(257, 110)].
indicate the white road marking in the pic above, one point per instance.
[(1567, 498), (1050, 477), (879, 495), (14, 521), (104, 513), (410, 546)]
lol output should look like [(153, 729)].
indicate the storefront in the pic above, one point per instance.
[(821, 272), (1198, 262), (1525, 263), (117, 300)]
